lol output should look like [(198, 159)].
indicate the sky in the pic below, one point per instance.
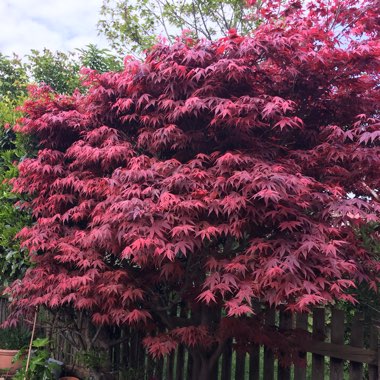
[(53, 24)]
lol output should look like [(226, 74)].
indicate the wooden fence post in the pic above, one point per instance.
[(227, 361), (270, 319), (254, 353), (254, 363), (301, 324), (373, 370), (240, 365), (337, 336), (170, 367), (159, 370), (318, 361), (286, 323), (149, 367), (189, 369), (357, 340)]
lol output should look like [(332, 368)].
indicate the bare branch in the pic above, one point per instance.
[(206, 32)]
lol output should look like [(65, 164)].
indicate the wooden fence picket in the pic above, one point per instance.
[(159, 370), (302, 324), (189, 370), (170, 367), (374, 369), (180, 363), (337, 336), (285, 324), (227, 361), (318, 361), (150, 364), (254, 363), (240, 365), (270, 320), (357, 340)]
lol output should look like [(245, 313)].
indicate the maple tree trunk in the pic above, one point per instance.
[(204, 372), (202, 369), (204, 362)]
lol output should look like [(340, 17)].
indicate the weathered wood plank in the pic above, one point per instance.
[(338, 351), (180, 363), (216, 315), (302, 324), (159, 369), (254, 354), (179, 372), (227, 361), (357, 340), (149, 367), (189, 370), (240, 365), (373, 343), (270, 319), (318, 361), (285, 324), (254, 363), (170, 367), (337, 336)]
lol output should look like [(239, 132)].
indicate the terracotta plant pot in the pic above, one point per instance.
[(6, 357)]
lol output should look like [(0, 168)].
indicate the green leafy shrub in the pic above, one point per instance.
[(14, 338), (40, 368)]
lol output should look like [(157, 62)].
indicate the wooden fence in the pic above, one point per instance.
[(341, 346)]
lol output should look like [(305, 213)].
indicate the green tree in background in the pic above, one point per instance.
[(61, 71), (98, 59), (57, 69), (134, 25), (13, 84), (13, 78)]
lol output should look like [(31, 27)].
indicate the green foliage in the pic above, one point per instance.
[(133, 25), (40, 368), (94, 359), (58, 70), (366, 294), (132, 374), (13, 79), (13, 260), (14, 338), (98, 59)]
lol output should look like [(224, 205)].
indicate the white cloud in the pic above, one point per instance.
[(53, 24)]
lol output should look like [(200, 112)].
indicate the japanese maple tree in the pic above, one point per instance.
[(211, 175)]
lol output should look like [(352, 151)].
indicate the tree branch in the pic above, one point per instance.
[(206, 31), (162, 21)]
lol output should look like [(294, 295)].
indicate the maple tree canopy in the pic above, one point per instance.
[(211, 174)]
